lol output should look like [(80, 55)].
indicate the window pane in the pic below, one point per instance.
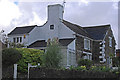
[(51, 27), (14, 40), (20, 39), (86, 44), (110, 41), (17, 39)]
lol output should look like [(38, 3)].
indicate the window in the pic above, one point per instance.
[(110, 41), (17, 39), (86, 44), (14, 40), (51, 27), (101, 59), (20, 39)]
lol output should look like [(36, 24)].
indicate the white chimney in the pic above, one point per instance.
[(55, 12)]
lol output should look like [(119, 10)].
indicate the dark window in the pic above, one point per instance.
[(14, 40), (20, 39), (51, 27), (100, 54), (101, 59), (17, 39)]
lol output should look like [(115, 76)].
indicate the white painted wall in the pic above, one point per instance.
[(24, 40), (36, 34), (65, 32)]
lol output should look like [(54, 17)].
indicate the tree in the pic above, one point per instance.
[(52, 57), (10, 56)]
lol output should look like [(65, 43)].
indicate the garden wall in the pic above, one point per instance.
[(55, 73)]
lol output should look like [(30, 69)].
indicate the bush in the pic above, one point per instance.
[(32, 56), (82, 68), (116, 61), (85, 62), (10, 56), (100, 68), (52, 56)]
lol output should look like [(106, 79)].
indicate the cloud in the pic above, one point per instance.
[(8, 11), (84, 13)]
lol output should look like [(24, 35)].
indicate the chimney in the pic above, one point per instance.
[(55, 12)]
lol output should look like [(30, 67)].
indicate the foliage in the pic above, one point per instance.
[(116, 61), (85, 62), (82, 68), (32, 56), (10, 56), (52, 56), (100, 68)]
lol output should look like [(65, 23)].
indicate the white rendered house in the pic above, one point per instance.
[(75, 40)]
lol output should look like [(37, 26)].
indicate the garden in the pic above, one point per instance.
[(49, 61)]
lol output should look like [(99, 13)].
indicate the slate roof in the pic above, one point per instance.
[(65, 42), (76, 28), (39, 43), (42, 43), (22, 30), (97, 32)]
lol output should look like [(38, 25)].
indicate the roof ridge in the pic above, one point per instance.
[(27, 26), (107, 25)]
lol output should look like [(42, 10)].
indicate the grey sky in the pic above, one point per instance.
[(81, 13)]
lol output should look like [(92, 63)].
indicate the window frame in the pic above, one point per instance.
[(86, 44), (14, 40), (52, 27), (110, 41), (20, 39)]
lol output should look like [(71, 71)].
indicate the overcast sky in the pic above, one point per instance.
[(83, 12)]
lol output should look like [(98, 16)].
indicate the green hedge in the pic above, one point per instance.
[(10, 56), (32, 56)]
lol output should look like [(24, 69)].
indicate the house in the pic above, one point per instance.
[(93, 43)]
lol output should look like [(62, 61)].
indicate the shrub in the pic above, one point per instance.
[(85, 62), (116, 61), (82, 68), (10, 56), (52, 56), (100, 68), (32, 56)]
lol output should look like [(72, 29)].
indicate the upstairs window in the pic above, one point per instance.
[(17, 39), (110, 41), (14, 40), (51, 27), (20, 39), (86, 44)]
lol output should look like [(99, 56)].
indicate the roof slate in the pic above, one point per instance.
[(66, 41), (39, 43), (22, 30), (76, 28), (42, 43), (97, 32)]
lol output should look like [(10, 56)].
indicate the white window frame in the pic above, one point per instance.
[(110, 41), (86, 45)]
